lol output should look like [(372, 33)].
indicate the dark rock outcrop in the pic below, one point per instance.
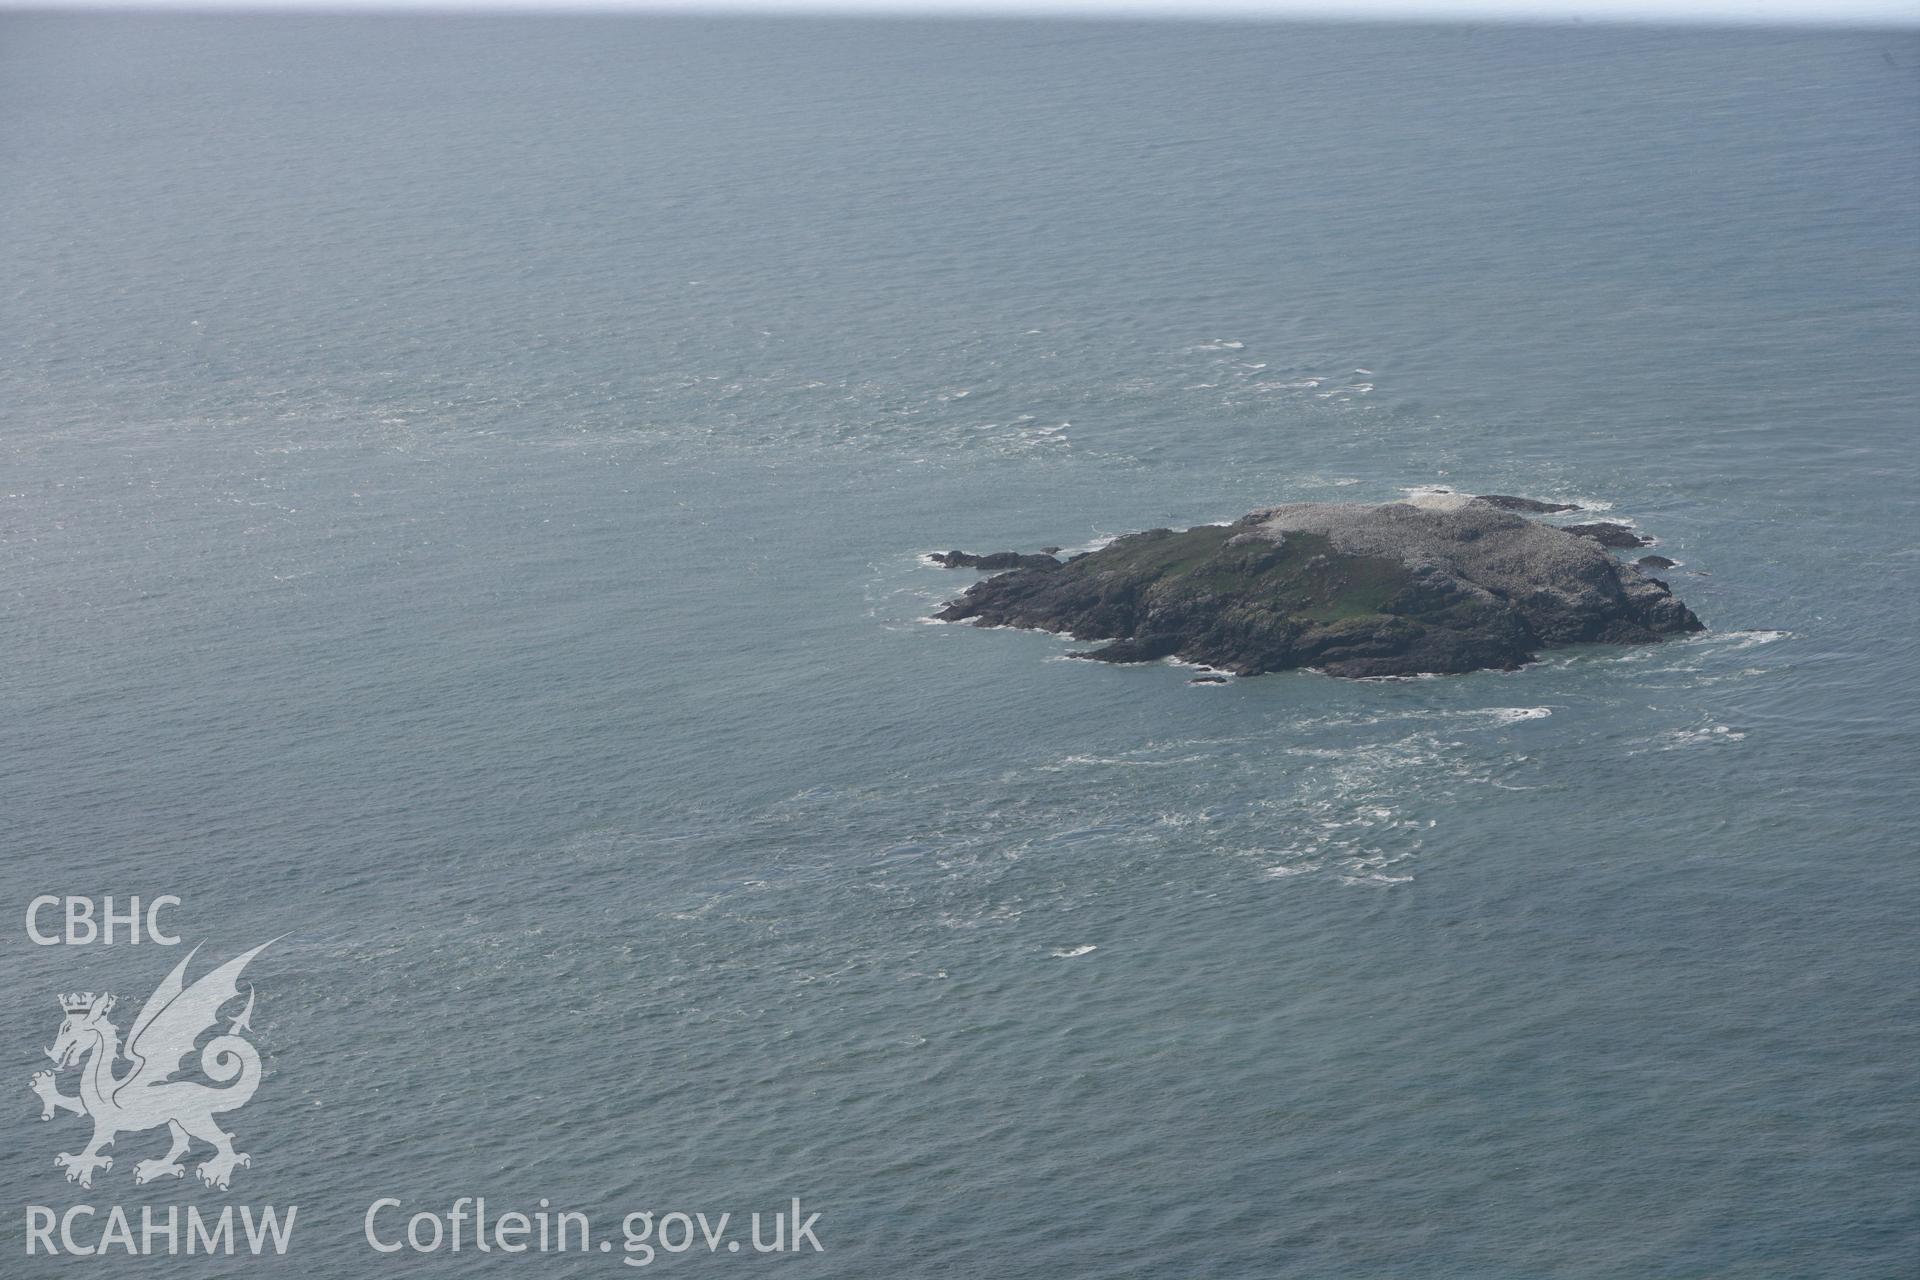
[(1609, 534), (1352, 590), (1655, 562), (1529, 506), (995, 561)]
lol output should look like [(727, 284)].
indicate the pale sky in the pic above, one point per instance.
[(1904, 13)]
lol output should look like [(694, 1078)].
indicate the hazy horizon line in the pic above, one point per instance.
[(1793, 14)]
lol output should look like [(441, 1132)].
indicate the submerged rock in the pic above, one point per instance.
[(1349, 589)]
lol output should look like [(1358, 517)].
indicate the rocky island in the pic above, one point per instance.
[(1442, 584)]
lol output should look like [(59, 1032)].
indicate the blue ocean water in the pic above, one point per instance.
[(463, 487)]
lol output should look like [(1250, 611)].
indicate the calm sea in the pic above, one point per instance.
[(462, 491)]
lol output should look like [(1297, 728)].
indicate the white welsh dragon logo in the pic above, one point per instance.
[(147, 1096)]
